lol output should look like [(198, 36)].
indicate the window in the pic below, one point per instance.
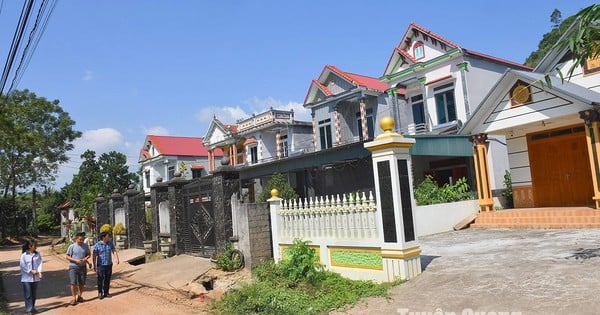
[(147, 178), (370, 124), (419, 50), (170, 172), (444, 103), (418, 109), (253, 154), (196, 173), (284, 145), (325, 134)]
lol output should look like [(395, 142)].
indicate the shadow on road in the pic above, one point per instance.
[(426, 260)]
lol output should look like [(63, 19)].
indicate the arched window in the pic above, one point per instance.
[(419, 50)]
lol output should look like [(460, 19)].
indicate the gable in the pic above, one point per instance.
[(518, 99), (417, 45)]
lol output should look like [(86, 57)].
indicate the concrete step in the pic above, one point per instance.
[(540, 218)]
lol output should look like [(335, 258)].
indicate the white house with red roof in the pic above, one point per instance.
[(443, 84), (344, 107), (163, 156)]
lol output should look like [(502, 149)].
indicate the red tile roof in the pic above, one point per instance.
[(369, 82), (179, 146)]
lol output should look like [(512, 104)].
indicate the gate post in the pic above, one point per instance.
[(176, 215), (159, 192), (136, 216), (100, 212), (225, 183), (395, 220), (115, 201), (274, 207)]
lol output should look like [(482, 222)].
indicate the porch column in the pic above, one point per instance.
[(211, 160), (395, 220), (363, 119), (278, 144), (234, 154), (428, 122), (338, 125), (314, 125), (592, 133), (482, 176)]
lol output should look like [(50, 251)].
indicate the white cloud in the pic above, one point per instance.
[(157, 131), (101, 141), (226, 114), (230, 114), (260, 105), (88, 76)]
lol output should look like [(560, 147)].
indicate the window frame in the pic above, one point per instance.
[(370, 124), (419, 47), (325, 135), (445, 90)]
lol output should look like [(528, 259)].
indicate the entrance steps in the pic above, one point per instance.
[(540, 218)]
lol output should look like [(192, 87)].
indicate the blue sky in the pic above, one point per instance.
[(124, 69)]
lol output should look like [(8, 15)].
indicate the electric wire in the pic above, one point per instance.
[(41, 19), (14, 47)]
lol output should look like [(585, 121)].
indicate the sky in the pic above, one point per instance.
[(126, 69)]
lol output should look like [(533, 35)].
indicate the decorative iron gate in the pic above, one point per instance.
[(198, 222)]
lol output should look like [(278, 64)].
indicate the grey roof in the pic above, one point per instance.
[(566, 87)]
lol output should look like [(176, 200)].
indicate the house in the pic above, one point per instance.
[(551, 131), (268, 136), (442, 84), (344, 107), (163, 156)]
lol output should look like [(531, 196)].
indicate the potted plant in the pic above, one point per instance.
[(120, 237)]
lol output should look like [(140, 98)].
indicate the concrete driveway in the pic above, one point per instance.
[(500, 271)]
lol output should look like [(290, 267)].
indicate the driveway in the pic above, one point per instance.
[(499, 270)]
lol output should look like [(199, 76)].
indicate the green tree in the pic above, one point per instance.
[(35, 135), (98, 175), (584, 41), (279, 182), (549, 40), (556, 18)]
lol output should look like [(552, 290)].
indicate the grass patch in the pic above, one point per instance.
[(297, 288)]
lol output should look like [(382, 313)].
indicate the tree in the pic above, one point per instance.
[(35, 135), (279, 182), (96, 176), (584, 41), (548, 41), (556, 18)]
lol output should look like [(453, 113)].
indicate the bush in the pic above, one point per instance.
[(227, 261), (106, 228), (508, 193), (428, 192), (279, 182), (119, 229), (301, 263)]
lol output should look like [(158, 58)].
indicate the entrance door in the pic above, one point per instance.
[(560, 169)]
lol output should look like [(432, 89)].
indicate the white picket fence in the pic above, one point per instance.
[(349, 217)]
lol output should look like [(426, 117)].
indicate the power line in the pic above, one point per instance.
[(14, 47), (42, 18)]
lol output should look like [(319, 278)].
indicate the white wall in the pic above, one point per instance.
[(443, 217)]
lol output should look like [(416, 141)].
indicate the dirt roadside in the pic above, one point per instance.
[(54, 293)]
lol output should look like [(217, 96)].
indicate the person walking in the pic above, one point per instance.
[(78, 254), (102, 263), (31, 273)]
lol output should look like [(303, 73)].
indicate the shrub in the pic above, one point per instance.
[(301, 262), (106, 228), (227, 261), (508, 193), (119, 229), (428, 192), (279, 182)]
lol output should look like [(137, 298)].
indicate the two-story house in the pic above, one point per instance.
[(552, 131), (265, 137), (443, 84), (163, 156), (345, 107)]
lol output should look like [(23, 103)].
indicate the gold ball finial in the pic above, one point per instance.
[(387, 124), (274, 193)]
